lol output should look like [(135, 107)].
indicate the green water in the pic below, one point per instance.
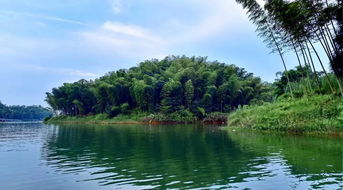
[(38, 156)]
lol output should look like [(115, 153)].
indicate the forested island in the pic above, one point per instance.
[(306, 98), (173, 89), (192, 89), (23, 113)]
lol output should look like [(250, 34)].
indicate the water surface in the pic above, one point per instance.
[(38, 156)]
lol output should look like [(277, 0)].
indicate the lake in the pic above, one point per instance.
[(38, 156)]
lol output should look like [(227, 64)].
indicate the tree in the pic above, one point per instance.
[(189, 93)]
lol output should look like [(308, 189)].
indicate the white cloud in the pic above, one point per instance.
[(124, 40), (214, 18), (45, 17), (129, 30), (261, 2), (61, 71), (116, 5), (209, 20), (113, 40)]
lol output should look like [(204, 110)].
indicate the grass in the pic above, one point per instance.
[(132, 118), (315, 114), (182, 116), (100, 119)]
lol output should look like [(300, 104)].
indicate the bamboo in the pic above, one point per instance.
[(314, 68), (321, 63), (283, 62)]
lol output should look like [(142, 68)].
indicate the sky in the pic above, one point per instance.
[(46, 43)]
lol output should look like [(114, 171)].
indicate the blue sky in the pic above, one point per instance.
[(46, 43)]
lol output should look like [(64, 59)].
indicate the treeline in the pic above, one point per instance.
[(297, 26), (190, 86), (24, 112)]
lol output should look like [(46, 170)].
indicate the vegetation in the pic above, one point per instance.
[(24, 112), (318, 113), (100, 119), (188, 89), (306, 100), (296, 26), (172, 89), (310, 108), (302, 85)]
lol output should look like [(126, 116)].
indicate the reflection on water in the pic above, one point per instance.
[(143, 157)]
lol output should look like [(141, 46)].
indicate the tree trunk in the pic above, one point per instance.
[(307, 71), (283, 62), (333, 26), (296, 53), (313, 67), (326, 43), (321, 63), (324, 47), (333, 45)]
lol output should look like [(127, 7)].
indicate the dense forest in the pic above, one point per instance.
[(24, 112), (174, 85)]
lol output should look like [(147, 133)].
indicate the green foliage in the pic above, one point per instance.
[(200, 112), (125, 108), (189, 93), (317, 113), (175, 86), (115, 110), (304, 82), (296, 25), (184, 116), (216, 117), (24, 112), (99, 118)]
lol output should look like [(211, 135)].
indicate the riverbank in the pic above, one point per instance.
[(214, 118), (98, 119), (318, 114), (315, 114)]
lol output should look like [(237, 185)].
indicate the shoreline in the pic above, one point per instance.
[(128, 122), (213, 118), (223, 127), (315, 115), (321, 114)]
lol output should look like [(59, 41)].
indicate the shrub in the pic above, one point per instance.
[(115, 110), (216, 117), (318, 113), (125, 108), (183, 116), (102, 116), (200, 112), (178, 116), (47, 118)]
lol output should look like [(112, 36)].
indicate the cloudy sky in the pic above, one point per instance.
[(45, 43)]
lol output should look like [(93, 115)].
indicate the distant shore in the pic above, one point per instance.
[(18, 122)]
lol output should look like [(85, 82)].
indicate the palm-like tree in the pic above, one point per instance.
[(297, 25), (265, 29)]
